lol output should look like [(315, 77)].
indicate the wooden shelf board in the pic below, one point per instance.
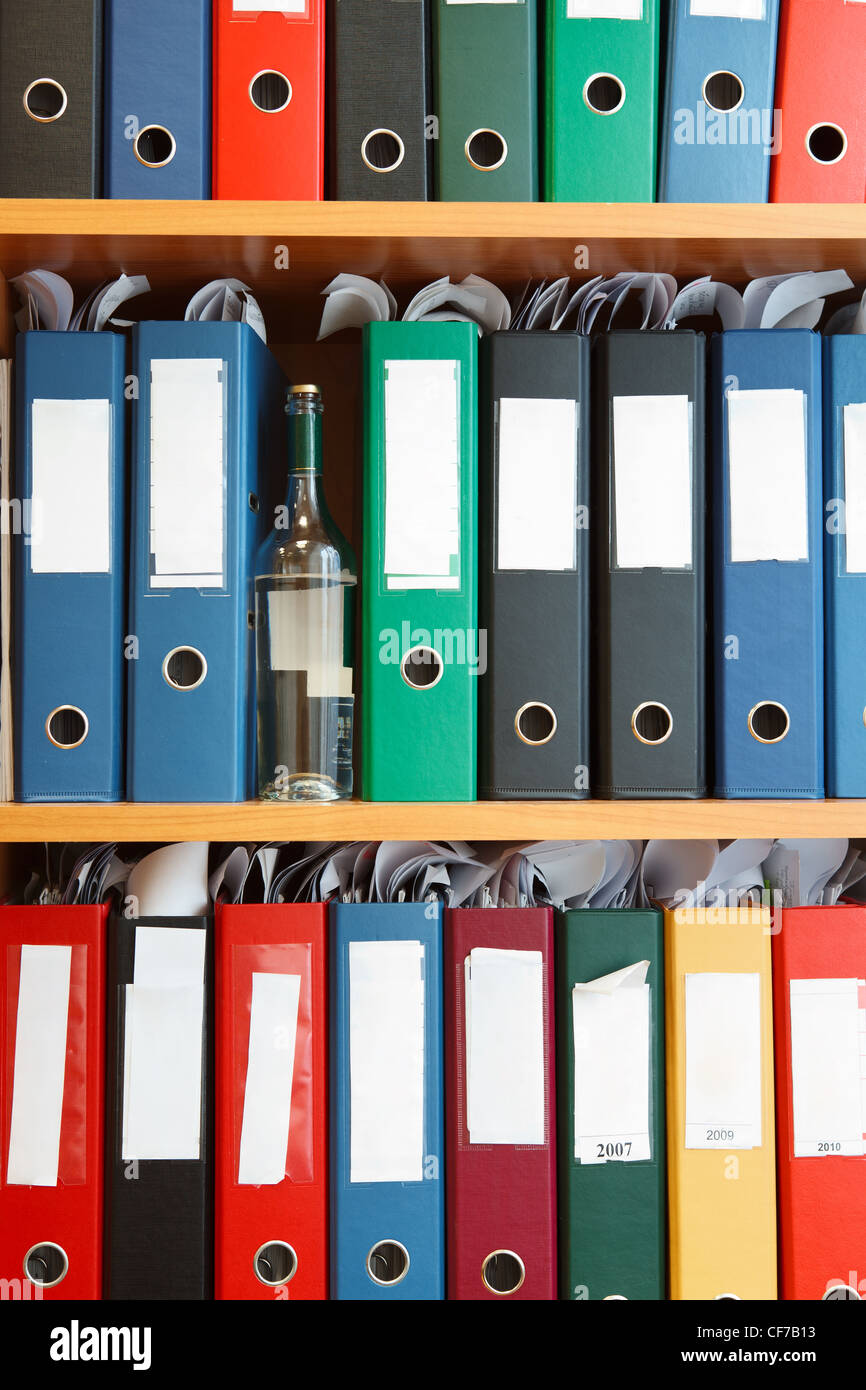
[(479, 820)]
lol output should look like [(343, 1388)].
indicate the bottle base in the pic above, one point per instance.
[(303, 787)]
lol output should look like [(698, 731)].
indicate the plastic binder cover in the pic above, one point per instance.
[(159, 1121), (611, 1104), (421, 652)]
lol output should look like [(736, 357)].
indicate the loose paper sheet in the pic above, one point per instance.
[(612, 1077), (40, 1065), (505, 1046), (828, 1066), (723, 1060)]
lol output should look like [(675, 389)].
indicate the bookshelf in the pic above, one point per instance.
[(287, 253)]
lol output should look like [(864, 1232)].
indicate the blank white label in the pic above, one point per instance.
[(723, 1061), (386, 1060), (854, 427), (767, 475), (270, 7), (504, 1046), (611, 1026), (187, 473), (422, 474), (270, 1072), (828, 1067), (536, 484), (728, 9), (652, 462), (163, 1045), (71, 487), (305, 629), (40, 1066), (605, 9)]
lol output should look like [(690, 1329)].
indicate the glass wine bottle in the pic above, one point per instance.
[(305, 584)]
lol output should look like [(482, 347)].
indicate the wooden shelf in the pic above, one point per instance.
[(473, 821)]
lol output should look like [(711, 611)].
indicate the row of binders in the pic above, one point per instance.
[(394, 1099), (556, 645), (504, 100)]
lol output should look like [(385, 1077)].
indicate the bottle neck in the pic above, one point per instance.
[(305, 444)]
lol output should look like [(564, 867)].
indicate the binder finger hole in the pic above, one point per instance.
[(652, 722), (184, 668), (422, 668), (723, 91), (535, 723), (486, 150), (67, 726), (769, 722), (154, 146), (503, 1272), (840, 1291), (827, 143), (45, 100), (270, 91), (275, 1263), (46, 1264), (727, 1298), (383, 151), (388, 1262), (604, 94)]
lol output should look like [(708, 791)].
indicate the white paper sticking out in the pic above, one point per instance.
[(652, 457), (171, 881), (187, 473), (422, 474), (536, 502), (767, 475), (386, 1047), (611, 1024), (854, 429), (270, 1072), (40, 1065), (723, 1061), (828, 1067), (163, 1042), (71, 487), (305, 628), (504, 1046), (605, 9), (728, 9)]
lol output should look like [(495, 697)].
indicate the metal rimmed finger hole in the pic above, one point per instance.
[(652, 722), (275, 1263), (604, 93), (723, 91), (388, 1262), (615, 1298), (721, 1297), (45, 100), (503, 1272), (383, 151), (46, 1264), (270, 91), (769, 722), (840, 1291), (67, 726), (184, 668), (535, 723), (422, 668), (827, 143), (154, 146), (486, 150)]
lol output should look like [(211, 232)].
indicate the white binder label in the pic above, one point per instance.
[(536, 480), (270, 7), (163, 1045), (828, 1067), (504, 1046), (605, 9), (767, 475), (305, 633), (611, 1025), (187, 473), (386, 1061), (40, 1065), (270, 1072), (422, 474), (71, 487), (728, 9), (854, 429), (723, 1061), (652, 463)]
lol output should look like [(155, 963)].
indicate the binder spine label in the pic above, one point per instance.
[(828, 1067)]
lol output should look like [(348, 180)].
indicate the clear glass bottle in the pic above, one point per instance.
[(305, 582)]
